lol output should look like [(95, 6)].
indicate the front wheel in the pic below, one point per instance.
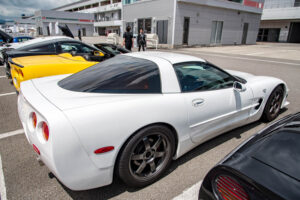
[(273, 104), (146, 156)]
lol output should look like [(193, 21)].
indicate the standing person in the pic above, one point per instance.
[(128, 39), (79, 34), (141, 39)]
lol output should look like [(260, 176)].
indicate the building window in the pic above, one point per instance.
[(145, 24), (95, 5), (237, 1), (297, 3), (104, 3), (216, 32)]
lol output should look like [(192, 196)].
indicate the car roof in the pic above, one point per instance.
[(42, 39), (173, 58)]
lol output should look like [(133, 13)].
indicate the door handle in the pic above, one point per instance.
[(198, 102)]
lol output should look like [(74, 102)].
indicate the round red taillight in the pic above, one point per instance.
[(45, 130), (229, 189), (34, 119)]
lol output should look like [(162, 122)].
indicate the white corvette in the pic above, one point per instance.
[(132, 114)]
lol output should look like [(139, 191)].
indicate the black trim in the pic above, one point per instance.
[(12, 62)]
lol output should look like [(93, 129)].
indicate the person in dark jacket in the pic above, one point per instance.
[(141, 40), (79, 34), (128, 39)]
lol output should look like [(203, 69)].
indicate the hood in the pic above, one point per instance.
[(65, 99), (6, 38), (66, 31), (243, 75)]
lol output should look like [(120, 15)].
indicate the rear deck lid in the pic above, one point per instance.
[(5, 37), (65, 29), (281, 151)]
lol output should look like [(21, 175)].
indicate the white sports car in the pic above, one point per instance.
[(132, 114)]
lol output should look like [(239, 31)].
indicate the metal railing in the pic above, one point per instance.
[(281, 5)]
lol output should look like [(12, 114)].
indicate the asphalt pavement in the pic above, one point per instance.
[(21, 177)]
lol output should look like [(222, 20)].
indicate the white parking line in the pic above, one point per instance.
[(190, 193), (2, 183), (241, 58), (2, 76), (12, 133), (7, 94)]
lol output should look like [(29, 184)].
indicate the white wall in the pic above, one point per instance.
[(201, 18)]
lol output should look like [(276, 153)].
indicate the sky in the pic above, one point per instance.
[(14, 8)]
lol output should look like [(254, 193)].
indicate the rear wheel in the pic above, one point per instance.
[(273, 104), (146, 156)]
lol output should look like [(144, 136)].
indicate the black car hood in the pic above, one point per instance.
[(66, 31), (6, 38), (272, 158)]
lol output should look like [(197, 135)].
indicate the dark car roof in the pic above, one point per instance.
[(272, 158), (23, 37)]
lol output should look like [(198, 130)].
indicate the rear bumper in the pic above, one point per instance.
[(62, 153)]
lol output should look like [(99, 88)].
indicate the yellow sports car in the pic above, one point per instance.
[(25, 68)]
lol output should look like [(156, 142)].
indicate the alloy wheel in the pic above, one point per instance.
[(149, 156)]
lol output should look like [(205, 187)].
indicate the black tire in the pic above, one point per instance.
[(273, 105), (7, 70), (146, 156)]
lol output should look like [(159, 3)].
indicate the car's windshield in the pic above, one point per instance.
[(121, 74)]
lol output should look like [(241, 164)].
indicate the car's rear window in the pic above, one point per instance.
[(121, 74)]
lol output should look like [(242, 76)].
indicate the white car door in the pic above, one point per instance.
[(213, 105)]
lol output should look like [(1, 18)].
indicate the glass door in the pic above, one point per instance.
[(216, 32)]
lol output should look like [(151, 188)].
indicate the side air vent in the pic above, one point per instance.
[(259, 103)]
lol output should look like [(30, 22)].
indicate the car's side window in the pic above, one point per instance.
[(68, 47), (44, 48), (200, 76)]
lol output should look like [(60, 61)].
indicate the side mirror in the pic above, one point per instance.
[(98, 53), (237, 86), (73, 53)]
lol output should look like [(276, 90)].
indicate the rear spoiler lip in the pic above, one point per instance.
[(12, 62)]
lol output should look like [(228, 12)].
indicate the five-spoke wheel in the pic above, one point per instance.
[(273, 104), (146, 156)]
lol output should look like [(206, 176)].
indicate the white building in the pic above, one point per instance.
[(280, 21), (107, 14), (196, 22), (47, 21)]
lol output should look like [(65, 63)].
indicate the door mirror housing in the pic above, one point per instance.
[(240, 87), (98, 53)]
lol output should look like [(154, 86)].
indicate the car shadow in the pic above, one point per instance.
[(118, 187)]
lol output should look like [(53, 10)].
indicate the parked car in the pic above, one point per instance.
[(28, 43), (26, 68), (111, 49), (134, 113), (266, 166), (55, 46), (6, 38)]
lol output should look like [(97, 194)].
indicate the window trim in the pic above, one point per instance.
[(212, 65)]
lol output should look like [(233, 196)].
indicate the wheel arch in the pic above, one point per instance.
[(167, 125)]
